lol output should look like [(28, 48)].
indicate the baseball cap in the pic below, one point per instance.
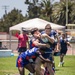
[(24, 30)]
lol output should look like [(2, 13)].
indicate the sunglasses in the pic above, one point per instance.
[(47, 28)]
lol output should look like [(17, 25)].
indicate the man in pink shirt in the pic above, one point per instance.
[(22, 41)]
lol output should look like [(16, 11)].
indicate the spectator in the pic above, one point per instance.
[(23, 41)]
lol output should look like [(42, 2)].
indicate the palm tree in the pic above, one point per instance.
[(62, 12), (46, 9), (33, 8)]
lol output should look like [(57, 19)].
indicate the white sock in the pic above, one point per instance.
[(53, 61), (63, 61), (60, 63), (31, 74)]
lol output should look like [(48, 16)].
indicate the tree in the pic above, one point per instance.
[(61, 12), (33, 8), (10, 19), (46, 9)]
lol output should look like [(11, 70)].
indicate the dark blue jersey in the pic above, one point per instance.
[(27, 57), (30, 54), (52, 34), (31, 43), (63, 44)]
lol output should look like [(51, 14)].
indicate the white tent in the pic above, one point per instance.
[(29, 24), (36, 22)]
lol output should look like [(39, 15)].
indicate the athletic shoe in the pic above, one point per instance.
[(59, 65), (62, 64)]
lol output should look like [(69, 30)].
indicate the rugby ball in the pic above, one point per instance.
[(44, 40)]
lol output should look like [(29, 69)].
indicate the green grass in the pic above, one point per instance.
[(68, 68), (8, 66)]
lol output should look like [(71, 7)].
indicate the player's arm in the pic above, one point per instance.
[(68, 43), (27, 42), (36, 43), (48, 37), (46, 60), (18, 41)]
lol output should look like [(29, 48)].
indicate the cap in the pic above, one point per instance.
[(24, 30)]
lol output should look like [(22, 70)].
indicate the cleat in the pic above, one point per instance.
[(59, 65), (62, 64)]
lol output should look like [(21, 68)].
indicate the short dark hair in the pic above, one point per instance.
[(64, 34), (33, 30)]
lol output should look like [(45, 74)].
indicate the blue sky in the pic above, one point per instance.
[(18, 4)]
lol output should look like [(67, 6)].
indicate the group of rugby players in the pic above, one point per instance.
[(39, 59)]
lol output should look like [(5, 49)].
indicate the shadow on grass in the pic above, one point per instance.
[(57, 69), (15, 74), (68, 66)]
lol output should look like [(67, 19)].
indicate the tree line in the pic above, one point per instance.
[(43, 9)]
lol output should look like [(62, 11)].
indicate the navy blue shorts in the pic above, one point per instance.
[(22, 49), (63, 51), (48, 54)]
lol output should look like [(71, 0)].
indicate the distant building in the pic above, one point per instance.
[(71, 29), (68, 0), (5, 41)]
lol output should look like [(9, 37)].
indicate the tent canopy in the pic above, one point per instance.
[(36, 22), (29, 24)]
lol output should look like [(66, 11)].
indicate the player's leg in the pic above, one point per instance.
[(53, 62), (38, 64), (61, 57), (63, 54), (49, 66), (21, 70), (43, 68), (19, 64), (61, 60), (30, 67)]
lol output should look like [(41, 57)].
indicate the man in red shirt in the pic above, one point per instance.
[(22, 41)]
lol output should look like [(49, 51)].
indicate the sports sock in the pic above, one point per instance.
[(31, 74)]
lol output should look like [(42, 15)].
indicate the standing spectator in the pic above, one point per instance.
[(63, 48), (23, 41)]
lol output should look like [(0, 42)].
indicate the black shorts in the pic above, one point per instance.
[(63, 51), (22, 49)]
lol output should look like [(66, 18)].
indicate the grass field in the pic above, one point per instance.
[(7, 66)]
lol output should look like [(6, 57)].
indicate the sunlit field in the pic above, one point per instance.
[(8, 66)]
